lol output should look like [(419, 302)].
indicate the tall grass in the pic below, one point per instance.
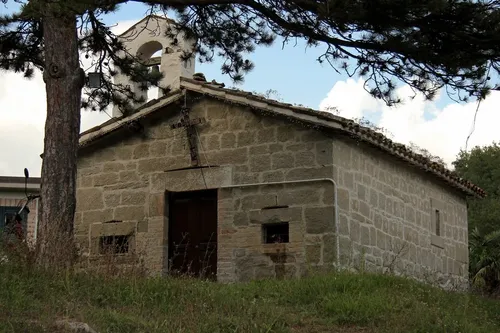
[(32, 300)]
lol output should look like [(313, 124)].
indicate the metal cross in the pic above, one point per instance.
[(191, 133)]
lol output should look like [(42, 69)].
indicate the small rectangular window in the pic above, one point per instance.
[(275, 233), (114, 244), (438, 222)]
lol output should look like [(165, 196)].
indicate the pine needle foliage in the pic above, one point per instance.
[(427, 44)]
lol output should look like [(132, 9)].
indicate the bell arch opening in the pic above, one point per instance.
[(150, 54)]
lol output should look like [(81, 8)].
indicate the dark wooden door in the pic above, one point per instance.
[(193, 233)]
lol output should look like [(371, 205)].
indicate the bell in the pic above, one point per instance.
[(155, 69)]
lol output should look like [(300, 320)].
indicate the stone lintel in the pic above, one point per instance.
[(198, 178), (112, 229), (260, 216)]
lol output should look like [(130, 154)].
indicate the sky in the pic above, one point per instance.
[(440, 126)]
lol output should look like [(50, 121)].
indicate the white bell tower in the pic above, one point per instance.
[(144, 39)]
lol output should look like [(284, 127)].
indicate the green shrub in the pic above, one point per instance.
[(485, 259)]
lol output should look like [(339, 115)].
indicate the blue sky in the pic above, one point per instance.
[(441, 126), (292, 71)]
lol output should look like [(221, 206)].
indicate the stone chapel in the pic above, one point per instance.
[(225, 184)]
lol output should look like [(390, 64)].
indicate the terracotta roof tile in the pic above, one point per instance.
[(321, 119), (369, 135)]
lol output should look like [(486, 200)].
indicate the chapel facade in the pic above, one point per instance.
[(232, 186)]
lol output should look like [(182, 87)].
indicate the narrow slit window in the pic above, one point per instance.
[(114, 244), (275, 233), (438, 222)]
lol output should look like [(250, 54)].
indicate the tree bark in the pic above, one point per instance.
[(64, 81)]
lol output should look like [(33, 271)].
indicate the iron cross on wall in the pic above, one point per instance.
[(190, 124)]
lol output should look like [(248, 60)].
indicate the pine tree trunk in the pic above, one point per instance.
[(64, 80)]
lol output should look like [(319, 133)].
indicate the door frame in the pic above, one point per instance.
[(172, 195)]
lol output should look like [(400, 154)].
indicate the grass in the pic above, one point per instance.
[(31, 301)]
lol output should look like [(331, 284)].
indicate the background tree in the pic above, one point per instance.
[(484, 262), (482, 166), (427, 44)]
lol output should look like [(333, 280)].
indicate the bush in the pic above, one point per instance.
[(485, 260)]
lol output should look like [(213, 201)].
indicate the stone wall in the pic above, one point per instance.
[(244, 213), (126, 179), (384, 206), (386, 211)]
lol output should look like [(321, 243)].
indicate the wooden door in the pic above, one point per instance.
[(193, 233)]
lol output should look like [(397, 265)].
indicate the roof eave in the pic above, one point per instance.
[(319, 120), (91, 137), (316, 119)]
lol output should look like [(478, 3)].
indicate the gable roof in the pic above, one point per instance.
[(115, 123), (313, 118)]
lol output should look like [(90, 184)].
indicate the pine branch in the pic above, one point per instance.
[(21, 45), (428, 44), (111, 55)]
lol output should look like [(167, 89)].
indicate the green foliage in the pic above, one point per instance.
[(485, 259), (481, 165), (427, 44), (32, 300)]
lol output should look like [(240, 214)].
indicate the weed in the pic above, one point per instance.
[(33, 299)]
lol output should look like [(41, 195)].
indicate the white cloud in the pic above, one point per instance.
[(441, 131), (348, 97), (23, 110), (22, 119)]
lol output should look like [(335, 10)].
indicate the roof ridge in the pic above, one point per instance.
[(319, 119), (364, 132)]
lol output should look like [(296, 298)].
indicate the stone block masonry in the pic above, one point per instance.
[(384, 207), (386, 215), (244, 214)]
